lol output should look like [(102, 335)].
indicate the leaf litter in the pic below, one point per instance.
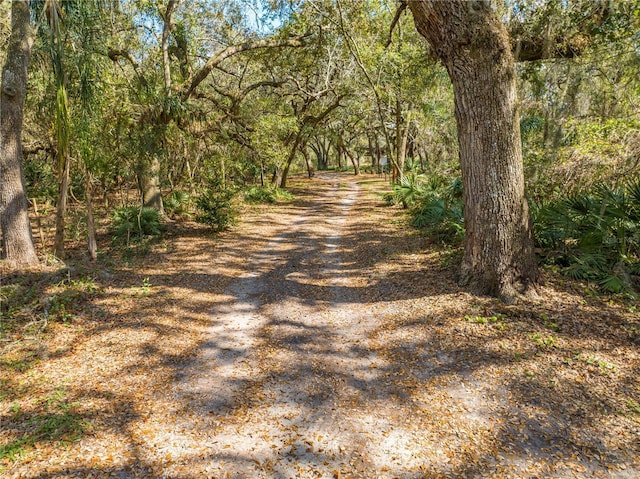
[(324, 339)]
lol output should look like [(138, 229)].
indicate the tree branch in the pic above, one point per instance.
[(166, 31), (35, 148), (237, 97), (315, 120), (401, 8), (533, 49), (528, 45), (114, 55), (234, 50), (250, 88)]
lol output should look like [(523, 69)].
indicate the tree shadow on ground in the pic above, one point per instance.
[(527, 401)]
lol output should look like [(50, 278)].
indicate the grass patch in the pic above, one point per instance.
[(56, 422), (544, 342), (483, 319)]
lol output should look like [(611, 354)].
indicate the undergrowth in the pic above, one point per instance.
[(215, 206), (592, 236), (266, 194), (178, 204), (435, 205), (132, 223)]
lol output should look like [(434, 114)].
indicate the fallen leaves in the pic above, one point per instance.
[(363, 362)]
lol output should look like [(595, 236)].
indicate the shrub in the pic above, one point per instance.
[(410, 189), (416, 188), (265, 194), (178, 203), (437, 209), (134, 222), (594, 235), (440, 218), (390, 198), (215, 207)]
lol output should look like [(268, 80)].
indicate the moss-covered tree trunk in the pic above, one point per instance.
[(18, 247), (474, 46)]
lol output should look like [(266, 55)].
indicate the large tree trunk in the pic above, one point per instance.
[(474, 47), (18, 248)]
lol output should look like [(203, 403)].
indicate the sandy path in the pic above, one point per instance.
[(287, 385), (306, 373)]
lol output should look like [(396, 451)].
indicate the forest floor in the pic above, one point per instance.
[(321, 338)]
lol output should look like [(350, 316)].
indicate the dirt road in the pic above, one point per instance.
[(292, 358), (303, 377), (322, 339)]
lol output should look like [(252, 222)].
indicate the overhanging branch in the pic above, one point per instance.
[(234, 50), (396, 18)]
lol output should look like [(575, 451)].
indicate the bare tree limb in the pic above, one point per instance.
[(314, 95)]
